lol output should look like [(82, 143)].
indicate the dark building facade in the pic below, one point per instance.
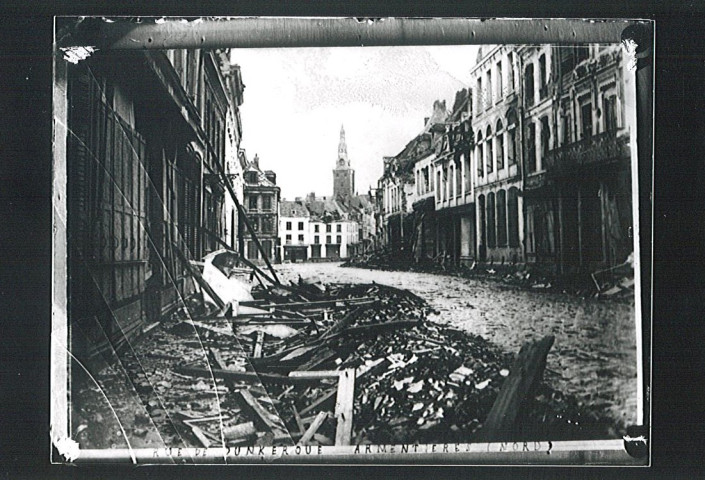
[(144, 154)]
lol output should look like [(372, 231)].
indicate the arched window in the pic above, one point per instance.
[(513, 216), (501, 218), (491, 229), (490, 151), (499, 133), (480, 158), (512, 147)]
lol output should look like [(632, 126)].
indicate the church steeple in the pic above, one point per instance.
[(342, 149), (343, 175)]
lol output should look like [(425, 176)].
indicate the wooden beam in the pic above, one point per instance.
[(320, 400), (199, 278), (258, 345), (234, 376), (260, 416), (324, 303), (526, 373), (317, 374), (315, 425), (344, 406)]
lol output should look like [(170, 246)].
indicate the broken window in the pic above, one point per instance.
[(252, 202), (610, 112), (529, 84), (301, 238), (288, 225), (500, 145), (501, 219), (491, 228), (513, 217), (338, 239), (531, 148), (267, 203), (586, 119), (543, 87), (490, 153), (251, 250), (301, 225), (339, 228), (545, 137)]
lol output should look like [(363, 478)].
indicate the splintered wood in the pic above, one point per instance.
[(351, 364)]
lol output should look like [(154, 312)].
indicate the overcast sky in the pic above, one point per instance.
[(295, 101)]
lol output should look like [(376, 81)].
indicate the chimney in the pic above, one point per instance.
[(425, 121), (256, 160), (311, 197)]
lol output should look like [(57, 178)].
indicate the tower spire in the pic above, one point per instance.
[(342, 147)]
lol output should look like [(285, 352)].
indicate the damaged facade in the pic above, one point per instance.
[(261, 195), (151, 135), (532, 165), (579, 205)]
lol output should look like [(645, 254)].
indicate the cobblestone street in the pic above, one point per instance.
[(594, 355)]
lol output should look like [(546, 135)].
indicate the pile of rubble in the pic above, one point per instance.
[(614, 282), (338, 364)]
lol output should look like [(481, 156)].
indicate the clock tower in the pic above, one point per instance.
[(343, 175)]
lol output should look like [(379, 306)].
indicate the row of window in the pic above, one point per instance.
[(490, 153), (499, 218), (490, 86), (449, 178), (316, 227), (316, 239), (262, 224), (254, 203)]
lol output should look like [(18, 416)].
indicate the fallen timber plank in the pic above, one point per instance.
[(297, 418), (260, 415), (344, 407), (320, 400), (199, 278), (198, 433), (315, 425), (324, 303), (344, 322), (526, 373), (231, 375), (370, 328), (258, 345)]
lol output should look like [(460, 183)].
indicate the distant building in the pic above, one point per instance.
[(261, 203), (294, 235)]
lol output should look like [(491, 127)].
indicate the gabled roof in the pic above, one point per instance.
[(293, 209)]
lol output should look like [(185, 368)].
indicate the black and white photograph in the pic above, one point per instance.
[(345, 240)]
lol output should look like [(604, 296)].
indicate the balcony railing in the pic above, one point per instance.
[(598, 149)]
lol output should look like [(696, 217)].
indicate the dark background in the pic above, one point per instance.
[(679, 224)]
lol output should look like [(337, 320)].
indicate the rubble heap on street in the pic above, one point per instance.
[(313, 364)]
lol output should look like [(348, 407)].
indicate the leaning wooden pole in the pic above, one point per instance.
[(526, 373)]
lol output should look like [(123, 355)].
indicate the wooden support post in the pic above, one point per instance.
[(344, 406), (525, 375), (315, 425), (258, 345)]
